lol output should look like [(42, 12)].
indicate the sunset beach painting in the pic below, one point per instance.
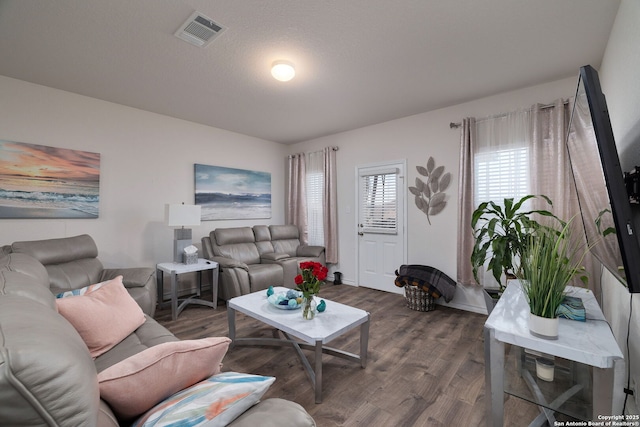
[(228, 193), (37, 181)]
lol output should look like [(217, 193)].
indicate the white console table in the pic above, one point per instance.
[(591, 343)]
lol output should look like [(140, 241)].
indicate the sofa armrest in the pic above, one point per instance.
[(224, 262), (136, 277), (310, 251), (272, 257), (140, 283)]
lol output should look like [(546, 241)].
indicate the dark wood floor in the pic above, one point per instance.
[(424, 368)]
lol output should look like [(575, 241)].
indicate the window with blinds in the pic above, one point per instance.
[(378, 204), (501, 173), (315, 209)]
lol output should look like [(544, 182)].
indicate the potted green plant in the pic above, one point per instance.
[(501, 235), (549, 262)]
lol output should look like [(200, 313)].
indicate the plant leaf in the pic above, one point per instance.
[(419, 202), (426, 191), (419, 185), (434, 185), (414, 191), (431, 164), (445, 181), (437, 172), (437, 199), (436, 209), (422, 171)]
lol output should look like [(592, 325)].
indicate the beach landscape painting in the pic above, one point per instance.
[(228, 193), (37, 181)]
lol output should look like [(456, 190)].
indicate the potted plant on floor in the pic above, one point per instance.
[(501, 237), (549, 262)]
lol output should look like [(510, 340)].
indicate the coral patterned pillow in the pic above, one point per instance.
[(214, 402), (82, 291), (103, 317), (135, 384)]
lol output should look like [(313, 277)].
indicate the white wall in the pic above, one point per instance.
[(416, 138), (146, 161), (620, 83)]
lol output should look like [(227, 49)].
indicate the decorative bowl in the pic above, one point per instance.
[(289, 300)]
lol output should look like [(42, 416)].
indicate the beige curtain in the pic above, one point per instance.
[(553, 177), (296, 194), (330, 196), (466, 203)]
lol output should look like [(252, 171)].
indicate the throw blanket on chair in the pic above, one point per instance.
[(429, 279)]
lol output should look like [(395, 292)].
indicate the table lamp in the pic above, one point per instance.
[(181, 216)]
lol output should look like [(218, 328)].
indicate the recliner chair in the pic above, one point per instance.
[(72, 263)]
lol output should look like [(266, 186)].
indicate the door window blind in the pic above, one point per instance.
[(378, 204)]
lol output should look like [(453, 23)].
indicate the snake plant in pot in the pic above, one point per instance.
[(501, 235), (549, 262)]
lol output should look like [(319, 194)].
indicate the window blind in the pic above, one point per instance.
[(378, 204), (501, 173), (315, 191)]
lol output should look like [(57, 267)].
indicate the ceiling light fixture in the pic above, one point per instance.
[(283, 71)]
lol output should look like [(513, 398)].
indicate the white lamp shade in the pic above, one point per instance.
[(182, 215)]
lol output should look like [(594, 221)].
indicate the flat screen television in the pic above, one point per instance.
[(600, 183)]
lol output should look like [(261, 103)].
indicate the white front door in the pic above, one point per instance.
[(381, 225)]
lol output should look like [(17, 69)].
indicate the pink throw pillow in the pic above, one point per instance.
[(137, 383), (103, 317)]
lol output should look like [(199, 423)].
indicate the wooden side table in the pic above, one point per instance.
[(175, 269)]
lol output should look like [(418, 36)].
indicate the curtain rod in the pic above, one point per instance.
[(453, 125), (332, 149)]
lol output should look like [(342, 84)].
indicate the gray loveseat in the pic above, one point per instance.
[(254, 258), (47, 376)]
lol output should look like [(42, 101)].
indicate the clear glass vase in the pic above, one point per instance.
[(308, 308)]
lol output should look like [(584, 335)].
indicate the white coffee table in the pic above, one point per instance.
[(314, 334)]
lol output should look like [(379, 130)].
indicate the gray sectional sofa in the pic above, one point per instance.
[(254, 258), (47, 375)]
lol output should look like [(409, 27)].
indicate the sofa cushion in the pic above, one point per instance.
[(233, 235), (58, 251), (262, 233), (144, 379), (216, 401), (149, 334), (285, 238), (47, 376), (264, 275), (275, 412), (22, 275), (104, 317), (71, 261)]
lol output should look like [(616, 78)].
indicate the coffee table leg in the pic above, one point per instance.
[(231, 318), (318, 373), (364, 341)]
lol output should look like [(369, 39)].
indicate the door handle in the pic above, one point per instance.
[(360, 233)]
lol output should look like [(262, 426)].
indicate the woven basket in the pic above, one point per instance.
[(419, 300)]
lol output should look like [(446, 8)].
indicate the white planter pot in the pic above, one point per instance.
[(543, 327)]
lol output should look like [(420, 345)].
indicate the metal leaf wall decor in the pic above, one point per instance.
[(430, 196)]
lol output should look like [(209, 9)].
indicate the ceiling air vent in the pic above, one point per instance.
[(199, 30)]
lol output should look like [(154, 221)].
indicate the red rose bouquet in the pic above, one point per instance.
[(313, 275)]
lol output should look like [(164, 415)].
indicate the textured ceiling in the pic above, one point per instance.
[(358, 62)]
